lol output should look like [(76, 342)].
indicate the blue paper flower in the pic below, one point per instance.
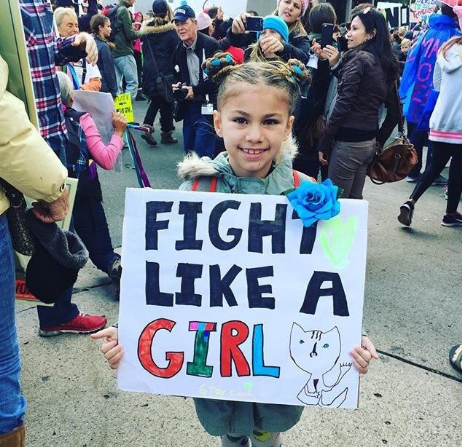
[(314, 201)]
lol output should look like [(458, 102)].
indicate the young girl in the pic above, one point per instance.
[(254, 118), (273, 28)]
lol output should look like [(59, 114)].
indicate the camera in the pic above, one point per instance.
[(181, 93)]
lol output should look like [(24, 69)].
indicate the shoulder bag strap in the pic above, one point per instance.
[(400, 112)]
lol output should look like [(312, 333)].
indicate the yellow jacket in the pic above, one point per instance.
[(26, 161)]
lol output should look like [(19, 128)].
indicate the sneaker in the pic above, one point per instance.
[(440, 181), (452, 220), (406, 212), (412, 179), (81, 324)]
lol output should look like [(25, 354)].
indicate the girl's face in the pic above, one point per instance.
[(254, 124), (68, 27), (290, 10), (357, 34), (105, 31), (270, 33)]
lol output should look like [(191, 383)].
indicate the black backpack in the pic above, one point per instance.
[(76, 149), (111, 13)]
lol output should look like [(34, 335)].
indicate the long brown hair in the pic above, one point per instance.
[(449, 44)]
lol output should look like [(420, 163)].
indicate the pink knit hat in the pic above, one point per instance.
[(304, 3), (458, 11), (203, 20)]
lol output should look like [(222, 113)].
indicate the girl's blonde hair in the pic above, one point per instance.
[(256, 54), (61, 12), (285, 76), (296, 29), (447, 45)]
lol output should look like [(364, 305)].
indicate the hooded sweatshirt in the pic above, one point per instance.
[(446, 120)]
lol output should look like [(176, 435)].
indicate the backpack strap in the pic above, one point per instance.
[(212, 187), (296, 176)]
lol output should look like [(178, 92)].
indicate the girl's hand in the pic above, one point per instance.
[(270, 45), (239, 22), (363, 354), (110, 348), (119, 123), (323, 159)]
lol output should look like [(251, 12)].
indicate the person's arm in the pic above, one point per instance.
[(351, 79), (93, 85), (298, 48), (84, 20), (127, 26), (74, 48), (107, 62), (392, 118), (26, 161), (104, 155)]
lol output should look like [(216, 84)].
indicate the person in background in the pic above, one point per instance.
[(27, 163), (46, 51), (446, 135), (366, 79), (101, 29), (198, 93), (84, 76), (159, 43), (124, 59), (416, 83), (204, 23), (405, 47), (298, 45), (85, 18), (273, 28), (137, 54)]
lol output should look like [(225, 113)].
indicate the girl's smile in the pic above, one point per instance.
[(254, 124)]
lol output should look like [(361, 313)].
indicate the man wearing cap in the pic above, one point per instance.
[(197, 107), (124, 60)]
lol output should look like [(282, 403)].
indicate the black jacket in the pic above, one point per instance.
[(362, 89), (159, 43), (106, 67), (205, 86)]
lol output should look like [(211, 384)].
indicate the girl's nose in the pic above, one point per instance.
[(254, 133)]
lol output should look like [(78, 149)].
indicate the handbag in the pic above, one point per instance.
[(21, 238), (393, 162), (163, 86)]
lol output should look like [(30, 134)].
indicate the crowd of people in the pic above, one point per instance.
[(253, 105)]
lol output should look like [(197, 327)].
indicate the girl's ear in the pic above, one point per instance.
[(217, 123), (288, 129)]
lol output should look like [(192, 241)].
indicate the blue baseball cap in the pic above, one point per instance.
[(184, 13)]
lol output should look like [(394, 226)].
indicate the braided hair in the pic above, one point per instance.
[(290, 77)]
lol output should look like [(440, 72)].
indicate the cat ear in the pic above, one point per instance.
[(297, 330)]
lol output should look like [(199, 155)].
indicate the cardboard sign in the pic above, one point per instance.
[(231, 297), (123, 105)]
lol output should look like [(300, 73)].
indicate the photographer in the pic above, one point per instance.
[(194, 92)]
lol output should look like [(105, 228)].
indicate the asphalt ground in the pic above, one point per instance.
[(413, 307)]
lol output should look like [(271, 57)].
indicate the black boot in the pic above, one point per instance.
[(167, 138), (148, 136), (139, 95)]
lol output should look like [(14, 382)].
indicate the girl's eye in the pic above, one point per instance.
[(270, 122), (240, 120)]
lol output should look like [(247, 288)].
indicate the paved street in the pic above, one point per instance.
[(413, 307)]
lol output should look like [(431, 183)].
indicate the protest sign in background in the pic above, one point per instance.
[(211, 308), (422, 9)]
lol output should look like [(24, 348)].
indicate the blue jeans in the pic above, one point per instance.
[(125, 67), (12, 403), (198, 131)]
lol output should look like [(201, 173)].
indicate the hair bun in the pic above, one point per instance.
[(214, 66), (299, 72)]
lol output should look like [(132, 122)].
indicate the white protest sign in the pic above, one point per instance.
[(422, 8), (231, 297)]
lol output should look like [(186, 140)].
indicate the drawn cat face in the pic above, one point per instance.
[(315, 352)]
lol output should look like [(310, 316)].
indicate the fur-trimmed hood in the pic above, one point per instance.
[(149, 27), (192, 166)]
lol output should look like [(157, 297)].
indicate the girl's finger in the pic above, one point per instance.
[(106, 347)]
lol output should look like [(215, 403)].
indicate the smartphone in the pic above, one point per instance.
[(342, 43), (254, 24), (326, 34)]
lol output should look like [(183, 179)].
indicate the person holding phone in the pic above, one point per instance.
[(366, 73), (272, 27), (298, 44)]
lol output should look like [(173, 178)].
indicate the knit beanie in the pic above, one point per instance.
[(277, 24), (203, 20), (304, 3), (57, 259), (159, 8)]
